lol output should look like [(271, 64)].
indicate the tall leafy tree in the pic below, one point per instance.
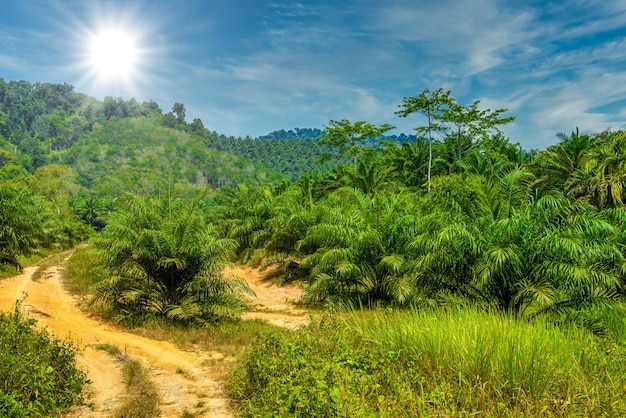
[(179, 110), (349, 137), (56, 182), (431, 105), (466, 126)]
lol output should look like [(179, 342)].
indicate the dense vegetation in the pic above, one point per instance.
[(461, 362), (455, 216), (38, 372)]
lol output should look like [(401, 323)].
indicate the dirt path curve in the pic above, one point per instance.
[(183, 378), (180, 376), (272, 303)]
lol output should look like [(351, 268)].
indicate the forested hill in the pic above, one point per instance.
[(315, 133), (296, 133), (43, 123), (292, 158), (118, 145), (293, 153), (141, 156)]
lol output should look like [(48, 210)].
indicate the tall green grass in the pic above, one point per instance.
[(84, 270), (517, 358), (141, 399), (459, 362)]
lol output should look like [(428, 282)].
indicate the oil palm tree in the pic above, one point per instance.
[(602, 182), (520, 250), (246, 210), (353, 252), (166, 260), (560, 165), (21, 229)]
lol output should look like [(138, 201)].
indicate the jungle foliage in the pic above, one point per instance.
[(457, 362), (455, 216), (38, 371)]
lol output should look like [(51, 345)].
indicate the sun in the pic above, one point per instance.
[(113, 48), (113, 54)]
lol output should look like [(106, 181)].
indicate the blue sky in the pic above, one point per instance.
[(248, 67)]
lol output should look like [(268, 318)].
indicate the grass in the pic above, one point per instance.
[(84, 270), (26, 261), (460, 362), (109, 348), (142, 398), (455, 362), (229, 341)]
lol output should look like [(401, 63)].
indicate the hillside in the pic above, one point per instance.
[(141, 156), (292, 158)]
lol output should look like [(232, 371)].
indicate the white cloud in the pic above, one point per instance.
[(479, 34)]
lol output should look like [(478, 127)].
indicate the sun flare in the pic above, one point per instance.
[(113, 54)]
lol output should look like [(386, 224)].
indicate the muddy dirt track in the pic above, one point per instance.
[(183, 378)]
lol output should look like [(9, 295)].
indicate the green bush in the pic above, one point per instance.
[(38, 372), (456, 363), (323, 370)]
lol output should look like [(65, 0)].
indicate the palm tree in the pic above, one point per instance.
[(246, 210), (603, 180), (20, 228), (167, 260), (408, 162), (519, 250), (353, 252), (560, 165)]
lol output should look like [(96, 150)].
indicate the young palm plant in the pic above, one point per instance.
[(353, 252), (167, 261), (522, 251)]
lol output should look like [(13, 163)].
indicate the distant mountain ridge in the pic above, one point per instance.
[(315, 133), (295, 133)]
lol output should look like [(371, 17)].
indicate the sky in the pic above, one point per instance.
[(249, 67)]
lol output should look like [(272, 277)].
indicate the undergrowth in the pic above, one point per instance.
[(84, 269), (457, 363), (141, 399), (38, 374)]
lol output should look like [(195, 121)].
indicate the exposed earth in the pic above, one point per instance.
[(184, 378)]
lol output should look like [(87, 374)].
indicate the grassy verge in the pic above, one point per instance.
[(25, 261), (141, 399), (38, 373), (84, 269), (455, 363)]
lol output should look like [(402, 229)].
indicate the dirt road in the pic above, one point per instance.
[(183, 378), (272, 303)]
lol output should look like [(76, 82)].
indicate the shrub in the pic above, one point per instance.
[(38, 372)]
